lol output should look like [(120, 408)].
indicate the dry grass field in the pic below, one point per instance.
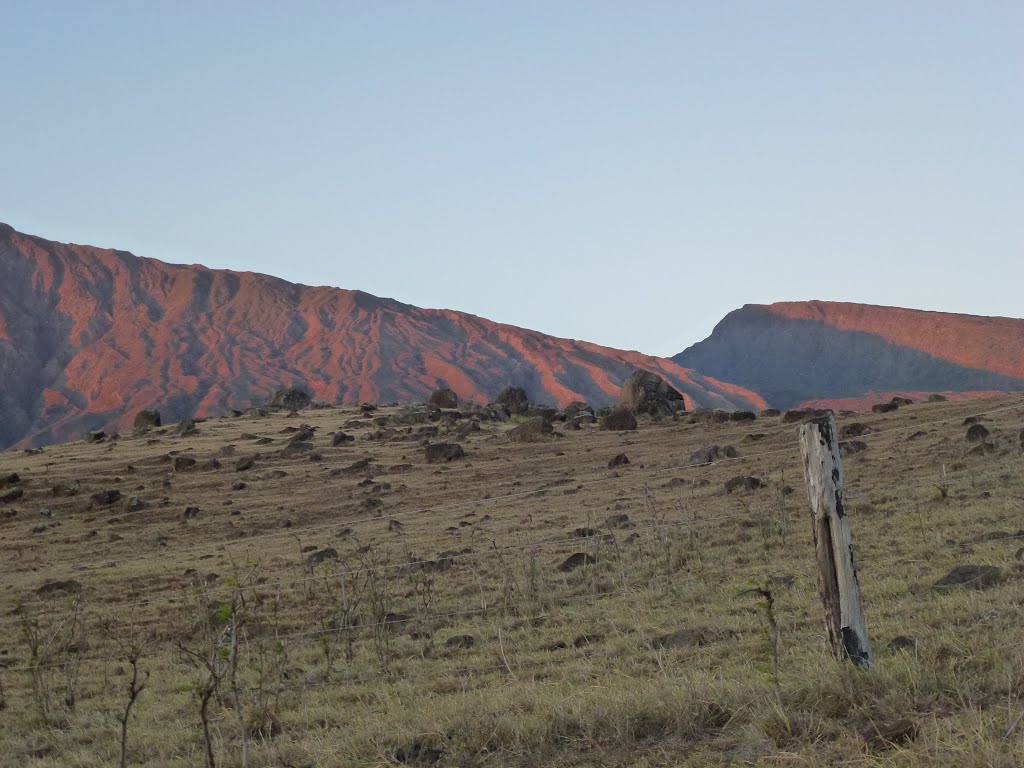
[(356, 605)]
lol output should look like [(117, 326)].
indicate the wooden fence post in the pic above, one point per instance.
[(833, 543)]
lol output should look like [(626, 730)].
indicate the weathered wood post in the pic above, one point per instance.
[(833, 543)]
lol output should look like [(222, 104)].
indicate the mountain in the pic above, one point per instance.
[(89, 336), (841, 354)]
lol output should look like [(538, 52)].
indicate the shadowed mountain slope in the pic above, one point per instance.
[(89, 336), (795, 352)]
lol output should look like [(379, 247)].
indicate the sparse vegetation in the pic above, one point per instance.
[(428, 617)]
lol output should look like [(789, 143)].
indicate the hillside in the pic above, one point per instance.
[(795, 352), (89, 336), (586, 599)]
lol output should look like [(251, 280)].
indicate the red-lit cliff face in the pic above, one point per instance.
[(89, 336), (847, 355)]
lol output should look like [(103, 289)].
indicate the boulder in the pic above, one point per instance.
[(513, 401), (444, 398), (649, 394), (770, 412), (438, 452), (146, 420), (340, 438), (851, 447), (856, 429), (885, 407), (969, 576), (578, 408), (289, 399), (712, 453), (9, 478), (618, 420), (742, 416), (11, 494), (618, 460), (575, 561), (744, 482), (532, 430), (977, 433)]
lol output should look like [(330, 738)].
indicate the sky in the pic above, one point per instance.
[(624, 173)]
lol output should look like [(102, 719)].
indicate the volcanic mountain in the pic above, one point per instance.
[(90, 336), (853, 355)]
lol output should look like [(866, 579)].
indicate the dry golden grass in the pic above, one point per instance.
[(564, 669)]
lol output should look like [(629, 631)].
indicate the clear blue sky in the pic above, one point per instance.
[(625, 173)]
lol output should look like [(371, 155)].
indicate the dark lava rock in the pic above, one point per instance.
[(183, 463), (239, 486), (977, 433), (851, 447), (647, 393), (11, 494), (330, 553), (135, 504), (532, 430), (712, 453), (577, 560), (902, 400), (210, 465), (460, 641), (67, 488), (438, 452), (856, 429), (296, 448), (937, 398), (618, 460), (794, 417), (884, 407), (619, 419), (244, 463), (770, 412), (744, 482), (969, 576), (340, 438), (146, 420), (68, 587), (513, 401), (186, 427), (9, 479), (578, 408), (444, 398), (742, 416), (681, 638), (106, 497), (620, 520), (289, 399), (982, 449)]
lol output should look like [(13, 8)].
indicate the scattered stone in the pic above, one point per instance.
[(11, 494), (620, 520), (770, 412), (856, 429), (533, 430), (619, 419), (135, 504), (586, 532), (982, 449), (186, 427), (851, 447), (9, 479), (618, 460), (513, 401), (330, 553), (744, 482), (647, 393), (183, 463), (713, 453), (460, 641), (296, 448), (969, 576), (289, 399), (884, 407), (106, 498), (577, 560), (146, 420), (977, 433), (444, 398), (340, 438), (936, 398), (244, 463), (191, 512), (239, 486), (438, 452), (794, 417), (742, 416), (66, 488), (681, 638), (68, 587), (579, 408), (902, 400), (210, 465)]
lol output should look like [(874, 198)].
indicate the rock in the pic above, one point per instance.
[(210, 465), (532, 430), (575, 561), (330, 553), (884, 407), (620, 520), (712, 453), (681, 638), (289, 399), (68, 587), (851, 447), (578, 408), (146, 420), (183, 463), (66, 488), (742, 416), (937, 398), (649, 394), (135, 504), (794, 417), (969, 576), (438, 452), (904, 643), (513, 401), (744, 482), (296, 448), (982, 449), (186, 427), (977, 433), (619, 419), (95, 436), (460, 641), (244, 463), (770, 412), (882, 735), (902, 400), (11, 494), (444, 398), (238, 486), (303, 434), (856, 429), (340, 438), (106, 498), (191, 512), (9, 479), (618, 460), (582, 641)]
